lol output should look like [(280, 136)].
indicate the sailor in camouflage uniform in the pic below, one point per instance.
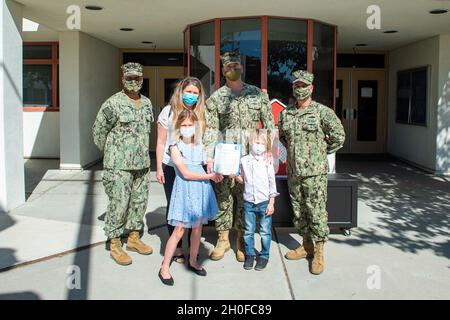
[(310, 131), (231, 112), (122, 132)]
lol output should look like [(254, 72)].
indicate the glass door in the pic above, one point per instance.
[(159, 83), (368, 112), (361, 105), (343, 105)]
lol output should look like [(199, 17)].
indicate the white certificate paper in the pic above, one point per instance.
[(227, 158)]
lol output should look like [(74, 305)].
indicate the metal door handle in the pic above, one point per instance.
[(355, 113), (345, 114)]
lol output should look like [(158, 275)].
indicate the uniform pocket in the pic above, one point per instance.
[(127, 122), (224, 109), (310, 123), (254, 108), (127, 117), (288, 125), (224, 105)]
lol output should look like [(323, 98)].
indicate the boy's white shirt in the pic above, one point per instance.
[(259, 178)]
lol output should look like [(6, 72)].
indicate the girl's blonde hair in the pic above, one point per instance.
[(177, 105), (257, 133), (191, 115)]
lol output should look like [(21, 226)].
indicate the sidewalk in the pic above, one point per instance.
[(403, 231)]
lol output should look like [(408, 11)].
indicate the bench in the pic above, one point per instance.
[(342, 203)]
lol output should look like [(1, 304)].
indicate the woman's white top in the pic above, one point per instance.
[(165, 119)]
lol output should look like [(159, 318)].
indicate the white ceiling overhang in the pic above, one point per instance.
[(163, 21)]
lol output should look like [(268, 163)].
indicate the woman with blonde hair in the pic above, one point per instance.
[(188, 95)]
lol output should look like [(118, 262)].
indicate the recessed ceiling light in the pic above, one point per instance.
[(126, 29), (391, 31), (438, 11), (147, 42), (361, 45), (95, 8)]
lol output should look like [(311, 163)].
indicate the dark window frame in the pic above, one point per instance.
[(54, 61), (410, 72)]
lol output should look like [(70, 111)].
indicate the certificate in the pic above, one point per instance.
[(227, 158)]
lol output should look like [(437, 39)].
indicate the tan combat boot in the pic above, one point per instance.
[(135, 244), (240, 247), (304, 251), (317, 263), (222, 246), (116, 252)]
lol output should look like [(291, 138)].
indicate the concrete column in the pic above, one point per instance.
[(69, 97), (331, 163), (12, 185), (89, 74)]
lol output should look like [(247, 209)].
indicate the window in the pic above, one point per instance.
[(40, 76), (286, 53), (243, 35), (412, 96), (202, 55), (323, 64)]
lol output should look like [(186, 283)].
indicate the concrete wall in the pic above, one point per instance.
[(89, 72), (40, 129), (12, 185), (41, 134), (414, 143), (443, 116)]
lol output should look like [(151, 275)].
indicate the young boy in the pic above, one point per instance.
[(258, 177)]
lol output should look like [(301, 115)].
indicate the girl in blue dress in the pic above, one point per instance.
[(193, 202)]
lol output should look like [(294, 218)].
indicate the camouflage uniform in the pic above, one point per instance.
[(122, 132), (309, 134), (232, 117)]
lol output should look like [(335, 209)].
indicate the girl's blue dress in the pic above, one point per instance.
[(192, 202)]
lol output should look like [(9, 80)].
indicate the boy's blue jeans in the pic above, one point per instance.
[(252, 210)]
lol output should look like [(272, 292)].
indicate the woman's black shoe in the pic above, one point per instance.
[(201, 272), (167, 282)]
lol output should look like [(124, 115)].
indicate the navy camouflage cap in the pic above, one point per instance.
[(132, 69), (230, 57), (303, 76)]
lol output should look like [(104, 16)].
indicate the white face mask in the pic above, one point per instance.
[(258, 149), (187, 132)]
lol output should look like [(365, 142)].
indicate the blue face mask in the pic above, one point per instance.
[(190, 98)]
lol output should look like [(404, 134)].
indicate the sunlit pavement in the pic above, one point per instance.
[(400, 249)]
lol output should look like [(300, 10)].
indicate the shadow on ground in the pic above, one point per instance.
[(27, 295), (7, 255), (412, 207), (35, 172), (155, 221)]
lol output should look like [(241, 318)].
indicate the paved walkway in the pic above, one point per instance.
[(403, 234)]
